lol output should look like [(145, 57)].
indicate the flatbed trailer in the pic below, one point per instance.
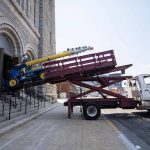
[(91, 67)]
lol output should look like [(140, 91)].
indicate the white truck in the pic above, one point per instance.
[(139, 88)]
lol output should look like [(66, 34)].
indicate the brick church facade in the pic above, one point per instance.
[(28, 27)]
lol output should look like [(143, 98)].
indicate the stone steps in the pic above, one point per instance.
[(20, 115), (32, 106), (2, 118), (15, 112), (16, 118)]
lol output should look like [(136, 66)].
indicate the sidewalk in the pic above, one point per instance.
[(53, 131), (27, 118)]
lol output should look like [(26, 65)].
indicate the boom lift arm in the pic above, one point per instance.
[(25, 72)]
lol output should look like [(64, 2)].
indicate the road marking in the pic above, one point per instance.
[(128, 143), (125, 140), (112, 125)]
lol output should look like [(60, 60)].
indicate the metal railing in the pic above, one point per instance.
[(23, 99)]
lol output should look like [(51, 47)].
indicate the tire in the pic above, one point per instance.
[(91, 111), (42, 75), (13, 83)]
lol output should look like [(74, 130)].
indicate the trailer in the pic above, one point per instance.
[(91, 67)]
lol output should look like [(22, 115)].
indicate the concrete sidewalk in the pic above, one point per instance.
[(15, 124), (53, 131)]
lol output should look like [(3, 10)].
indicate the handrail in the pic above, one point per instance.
[(7, 100)]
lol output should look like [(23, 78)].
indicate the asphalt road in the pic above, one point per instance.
[(134, 124)]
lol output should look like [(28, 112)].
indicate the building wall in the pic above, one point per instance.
[(15, 21), (47, 28), (28, 26), (66, 87), (47, 43)]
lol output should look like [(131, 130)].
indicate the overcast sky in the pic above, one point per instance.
[(121, 25)]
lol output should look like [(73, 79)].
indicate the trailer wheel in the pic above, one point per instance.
[(42, 75), (91, 111), (13, 83)]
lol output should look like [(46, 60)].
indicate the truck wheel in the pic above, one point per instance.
[(42, 75), (13, 83), (91, 111)]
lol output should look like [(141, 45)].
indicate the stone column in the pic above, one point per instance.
[(29, 8), (25, 5)]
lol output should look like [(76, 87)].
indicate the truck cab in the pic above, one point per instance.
[(138, 88)]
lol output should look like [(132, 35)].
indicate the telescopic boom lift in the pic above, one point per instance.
[(25, 72)]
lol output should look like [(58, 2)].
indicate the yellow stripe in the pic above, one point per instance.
[(36, 68), (112, 125)]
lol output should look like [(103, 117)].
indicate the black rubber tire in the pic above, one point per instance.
[(94, 108)]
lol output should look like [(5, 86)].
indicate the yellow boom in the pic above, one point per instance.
[(69, 52), (44, 59)]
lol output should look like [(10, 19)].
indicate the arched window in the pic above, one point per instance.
[(30, 55)]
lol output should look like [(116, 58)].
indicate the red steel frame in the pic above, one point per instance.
[(77, 66), (121, 101), (90, 67)]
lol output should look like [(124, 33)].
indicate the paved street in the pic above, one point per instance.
[(134, 124), (53, 131), (116, 129)]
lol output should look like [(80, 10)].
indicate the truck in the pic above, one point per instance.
[(138, 88), (80, 70)]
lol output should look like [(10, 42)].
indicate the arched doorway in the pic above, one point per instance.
[(12, 50), (6, 44), (9, 58), (30, 55)]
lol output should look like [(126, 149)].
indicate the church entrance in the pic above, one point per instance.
[(8, 60), (8, 63)]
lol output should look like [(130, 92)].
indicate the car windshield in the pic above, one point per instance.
[(147, 80)]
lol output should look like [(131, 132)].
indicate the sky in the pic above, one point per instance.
[(121, 25)]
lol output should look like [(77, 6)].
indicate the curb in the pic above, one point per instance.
[(17, 124)]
